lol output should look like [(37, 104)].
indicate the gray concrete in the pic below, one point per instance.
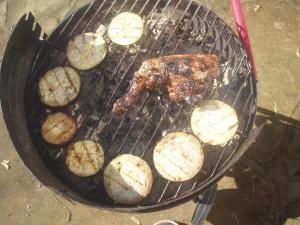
[(262, 189)]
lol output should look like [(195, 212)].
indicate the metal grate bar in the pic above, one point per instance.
[(156, 129), (176, 27), (132, 125), (81, 18), (207, 179), (206, 36), (227, 42), (142, 9), (177, 42), (193, 38), (219, 160), (252, 106), (163, 192), (95, 14), (156, 4), (247, 101), (178, 189), (223, 71), (177, 116), (133, 5), (233, 77), (143, 130), (105, 15), (172, 33), (241, 88), (120, 9)]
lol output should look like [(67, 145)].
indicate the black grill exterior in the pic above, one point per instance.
[(171, 27)]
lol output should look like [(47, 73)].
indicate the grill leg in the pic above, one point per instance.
[(204, 203)]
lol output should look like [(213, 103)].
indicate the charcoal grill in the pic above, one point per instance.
[(171, 27)]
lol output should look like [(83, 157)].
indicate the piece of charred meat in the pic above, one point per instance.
[(184, 77)]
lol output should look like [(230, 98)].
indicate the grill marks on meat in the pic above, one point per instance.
[(184, 77)]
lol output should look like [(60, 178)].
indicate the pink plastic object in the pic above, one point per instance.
[(242, 31)]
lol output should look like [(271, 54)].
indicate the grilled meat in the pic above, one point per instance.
[(183, 77)]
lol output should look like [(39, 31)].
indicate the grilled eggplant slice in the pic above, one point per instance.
[(59, 128), (86, 50), (178, 156), (126, 28), (85, 158), (214, 122), (59, 86), (127, 179)]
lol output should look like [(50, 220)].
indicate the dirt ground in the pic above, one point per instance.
[(262, 189)]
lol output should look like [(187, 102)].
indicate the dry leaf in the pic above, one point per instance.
[(69, 216), (256, 8), (298, 52), (136, 220), (39, 185), (5, 163), (28, 207)]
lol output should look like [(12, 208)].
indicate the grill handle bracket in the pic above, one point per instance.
[(204, 204), (204, 201)]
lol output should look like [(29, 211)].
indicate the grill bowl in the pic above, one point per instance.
[(172, 27)]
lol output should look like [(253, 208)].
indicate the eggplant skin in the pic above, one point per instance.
[(59, 128), (183, 77)]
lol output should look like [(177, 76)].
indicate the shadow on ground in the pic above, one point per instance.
[(267, 178)]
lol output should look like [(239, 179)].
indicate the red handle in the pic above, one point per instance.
[(242, 31)]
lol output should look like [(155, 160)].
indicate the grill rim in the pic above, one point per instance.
[(77, 196)]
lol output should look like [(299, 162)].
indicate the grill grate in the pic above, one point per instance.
[(154, 115)]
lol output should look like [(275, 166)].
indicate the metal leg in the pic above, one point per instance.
[(204, 203)]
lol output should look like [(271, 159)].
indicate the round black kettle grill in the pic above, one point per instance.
[(171, 27)]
